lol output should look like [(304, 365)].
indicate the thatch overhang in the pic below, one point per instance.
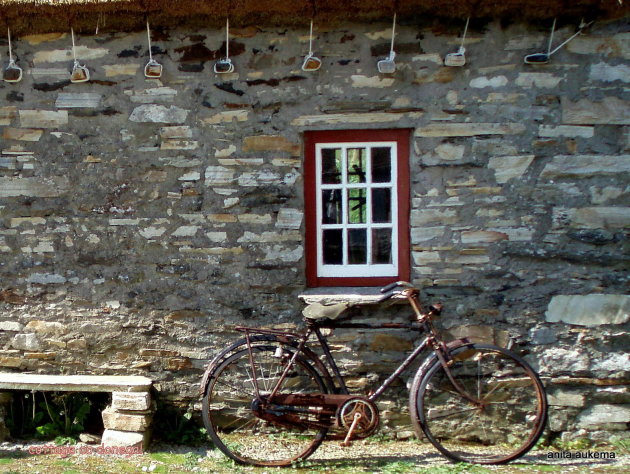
[(43, 16)]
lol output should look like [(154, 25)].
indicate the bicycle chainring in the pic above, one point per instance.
[(367, 423)]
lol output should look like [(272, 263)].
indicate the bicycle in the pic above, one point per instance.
[(269, 400)]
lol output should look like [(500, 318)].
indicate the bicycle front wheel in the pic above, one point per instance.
[(228, 407), (500, 419)]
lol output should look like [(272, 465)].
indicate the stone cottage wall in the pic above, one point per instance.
[(141, 220)]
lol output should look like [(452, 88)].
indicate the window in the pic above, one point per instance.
[(356, 207)]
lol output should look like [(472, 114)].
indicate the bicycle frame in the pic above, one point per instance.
[(340, 387)]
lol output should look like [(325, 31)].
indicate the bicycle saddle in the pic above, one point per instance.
[(320, 311)]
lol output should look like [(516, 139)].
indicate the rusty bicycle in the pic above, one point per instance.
[(271, 400)]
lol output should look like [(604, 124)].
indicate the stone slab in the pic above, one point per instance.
[(33, 187), (610, 111), (469, 129), (70, 100), (75, 383), (43, 118), (589, 310), (137, 401), (126, 439), (577, 166), (136, 422), (335, 119)]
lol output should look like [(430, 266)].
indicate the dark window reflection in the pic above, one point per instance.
[(333, 247), (381, 165), (381, 246), (331, 166), (356, 165), (357, 246), (331, 206), (357, 206), (381, 205)]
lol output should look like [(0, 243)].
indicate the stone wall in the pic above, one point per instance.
[(141, 220)]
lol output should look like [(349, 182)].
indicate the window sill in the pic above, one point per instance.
[(357, 295)]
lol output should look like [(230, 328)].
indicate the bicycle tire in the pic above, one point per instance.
[(229, 418), (509, 423)]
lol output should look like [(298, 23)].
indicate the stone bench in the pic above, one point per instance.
[(127, 420)]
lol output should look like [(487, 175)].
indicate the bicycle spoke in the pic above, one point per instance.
[(232, 422), (509, 420)]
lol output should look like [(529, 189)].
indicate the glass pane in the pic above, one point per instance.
[(331, 165), (381, 165), (357, 246), (381, 205), (381, 246), (357, 206), (331, 206), (356, 165), (333, 246)]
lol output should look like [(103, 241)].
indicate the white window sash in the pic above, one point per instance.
[(368, 269)]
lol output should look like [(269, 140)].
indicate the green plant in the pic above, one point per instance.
[(571, 445), (67, 413), (190, 460), (23, 415), (64, 440), (621, 444), (179, 428)]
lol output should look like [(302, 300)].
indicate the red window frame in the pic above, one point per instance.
[(311, 139)]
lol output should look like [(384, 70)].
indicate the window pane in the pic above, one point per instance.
[(381, 246), (381, 205), (357, 206), (333, 246), (331, 206), (381, 165), (356, 165), (357, 246), (331, 165)]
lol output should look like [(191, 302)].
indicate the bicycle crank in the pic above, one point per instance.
[(358, 417)]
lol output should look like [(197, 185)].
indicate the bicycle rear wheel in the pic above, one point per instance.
[(505, 423), (228, 407)]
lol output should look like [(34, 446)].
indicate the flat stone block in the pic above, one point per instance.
[(589, 310), (508, 167), (70, 100), (602, 217), (469, 129), (610, 111), (585, 166), (604, 414), (270, 143), (134, 401), (158, 114), (227, 117), (43, 118), (126, 439), (482, 236), (115, 420), (22, 134), (333, 119)]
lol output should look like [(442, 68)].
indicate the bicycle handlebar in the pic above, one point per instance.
[(389, 289), (396, 284)]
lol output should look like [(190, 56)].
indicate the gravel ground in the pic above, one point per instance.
[(363, 456)]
